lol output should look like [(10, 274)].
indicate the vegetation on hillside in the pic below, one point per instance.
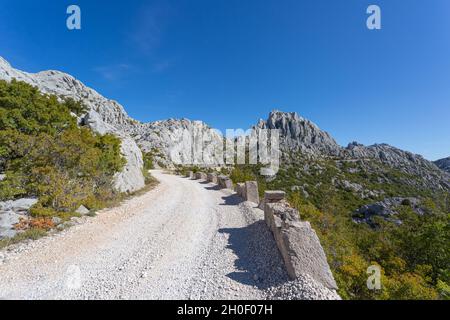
[(46, 155), (413, 256)]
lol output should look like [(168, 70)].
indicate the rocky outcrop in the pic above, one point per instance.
[(182, 141), (404, 161), (443, 164), (387, 210), (11, 212), (103, 116), (300, 134)]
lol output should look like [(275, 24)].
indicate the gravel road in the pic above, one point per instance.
[(185, 239)]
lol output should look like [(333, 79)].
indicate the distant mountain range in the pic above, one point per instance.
[(298, 135)]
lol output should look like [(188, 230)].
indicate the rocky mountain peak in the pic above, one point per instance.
[(300, 134)]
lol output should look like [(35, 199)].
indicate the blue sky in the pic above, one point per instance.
[(229, 62)]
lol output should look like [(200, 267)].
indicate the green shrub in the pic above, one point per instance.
[(45, 154)]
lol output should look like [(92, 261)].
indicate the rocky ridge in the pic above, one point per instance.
[(165, 138), (299, 135), (444, 164)]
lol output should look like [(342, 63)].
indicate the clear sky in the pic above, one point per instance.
[(229, 62)]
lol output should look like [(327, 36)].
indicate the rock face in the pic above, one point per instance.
[(104, 116), (179, 142), (299, 134), (130, 179), (443, 164)]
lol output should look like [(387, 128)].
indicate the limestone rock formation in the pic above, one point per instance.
[(300, 134), (179, 142)]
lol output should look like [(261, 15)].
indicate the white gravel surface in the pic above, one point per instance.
[(184, 239)]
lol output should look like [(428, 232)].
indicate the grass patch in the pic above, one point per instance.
[(31, 234)]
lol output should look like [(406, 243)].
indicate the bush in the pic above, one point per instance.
[(45, 154)]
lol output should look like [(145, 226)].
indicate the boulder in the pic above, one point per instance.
[(298, 244), (2, 176), (251, 191), (82, 210), (212, 177), (18, 206), (7, 221), (23, 205)]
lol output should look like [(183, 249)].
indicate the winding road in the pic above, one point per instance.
[(185, 239)]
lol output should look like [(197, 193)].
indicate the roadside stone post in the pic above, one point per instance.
[(212, 177), (297, 241), (250, 191), (225, 182)]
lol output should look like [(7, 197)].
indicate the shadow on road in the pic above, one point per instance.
[(232, 200), (259, 261), (215, 187)]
